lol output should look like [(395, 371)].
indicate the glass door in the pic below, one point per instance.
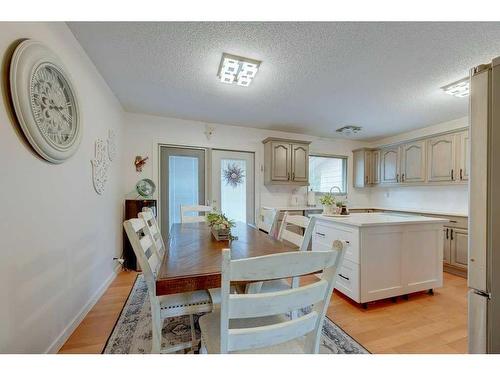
[(182, 182), (233, 184)]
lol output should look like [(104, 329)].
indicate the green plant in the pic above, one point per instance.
[(327, 199), (219, 221), (340, 203)]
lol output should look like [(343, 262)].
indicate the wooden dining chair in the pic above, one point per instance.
[(301, 241), (194, 219), (268, 220), (257, 323), (168, 306)]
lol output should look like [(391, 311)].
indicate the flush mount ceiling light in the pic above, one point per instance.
[(460, 88), (349, 130), (237, 69)]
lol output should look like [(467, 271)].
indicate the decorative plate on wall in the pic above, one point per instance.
[(44, 101)]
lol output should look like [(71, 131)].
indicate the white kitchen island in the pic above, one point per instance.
[(388, 255)]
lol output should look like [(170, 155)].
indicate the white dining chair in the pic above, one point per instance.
[(194, 219), (300, 240), (257, 323), (268, 220), (167, 306), (152, 229)]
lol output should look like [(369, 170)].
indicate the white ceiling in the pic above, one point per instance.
[(314, 78)]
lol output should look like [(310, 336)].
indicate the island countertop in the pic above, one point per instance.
[(378, 219)]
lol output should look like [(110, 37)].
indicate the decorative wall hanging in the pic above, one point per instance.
[(140, 162), (233, 175), (100, 166), (105, 152), (44, 101), (112, 150)]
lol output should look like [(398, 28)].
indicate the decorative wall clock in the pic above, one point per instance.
[(44, 101)]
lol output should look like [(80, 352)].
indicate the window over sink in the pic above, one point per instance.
[(326, 172)]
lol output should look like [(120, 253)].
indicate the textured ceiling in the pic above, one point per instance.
[(314, 78)]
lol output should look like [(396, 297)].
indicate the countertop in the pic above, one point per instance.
[(413, 210), (378, 219), (293, 208)]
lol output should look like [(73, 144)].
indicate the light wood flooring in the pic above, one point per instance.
[(422, 324)]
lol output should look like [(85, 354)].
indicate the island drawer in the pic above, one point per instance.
[(348, 280), (324, 235)]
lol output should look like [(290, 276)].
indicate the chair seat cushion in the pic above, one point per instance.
[(185, 303), (210, 334)]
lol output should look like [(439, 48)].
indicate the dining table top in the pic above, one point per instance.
[(193, 257)]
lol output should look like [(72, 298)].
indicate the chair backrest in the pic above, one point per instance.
[(153, 230), (252, 305), (144, 251), (194, 219), (268, 219), (298, 221)]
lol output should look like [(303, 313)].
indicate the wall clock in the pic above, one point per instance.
[(44, 101)]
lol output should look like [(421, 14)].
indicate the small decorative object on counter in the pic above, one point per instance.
[(311, 198), (329, 204), (220, 226)]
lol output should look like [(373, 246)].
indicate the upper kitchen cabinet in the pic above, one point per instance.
[(376, 166), (463, 155), (389, 165), (441, 158), (364, 173), (286, 162), (413, 162)]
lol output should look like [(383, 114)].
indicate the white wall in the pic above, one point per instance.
[(448, 198), (58, 235), (144, 132)]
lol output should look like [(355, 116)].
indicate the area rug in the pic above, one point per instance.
[(132, 332)]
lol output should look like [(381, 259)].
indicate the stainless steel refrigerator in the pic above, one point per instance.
[(484, 209)]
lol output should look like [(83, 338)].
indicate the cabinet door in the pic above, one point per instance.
[(300, 163), (376, 167), (280, 161), (463, 155), (459, 247), (413, 162), (446, 246), (441, 158), (359, 168), (389, 165)]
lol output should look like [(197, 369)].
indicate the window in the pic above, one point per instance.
[(326, 172)]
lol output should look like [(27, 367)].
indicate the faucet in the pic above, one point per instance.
[(336, 187)]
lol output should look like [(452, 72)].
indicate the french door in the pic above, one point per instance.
[(182, 182), (233, 184)]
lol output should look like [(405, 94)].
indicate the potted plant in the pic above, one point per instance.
[(329, 204), (220, 225)]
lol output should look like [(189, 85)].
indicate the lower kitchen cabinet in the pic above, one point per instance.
[(455, 250)]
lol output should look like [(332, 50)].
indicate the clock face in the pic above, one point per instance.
[(53, 103), (45, 102)]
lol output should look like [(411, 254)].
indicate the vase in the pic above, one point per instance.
[(221, 234), (329, 210)]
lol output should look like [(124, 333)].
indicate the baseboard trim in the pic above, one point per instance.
[(70, 328)]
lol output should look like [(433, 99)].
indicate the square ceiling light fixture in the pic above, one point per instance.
[(237, 69), (460, 88), (349, 130)]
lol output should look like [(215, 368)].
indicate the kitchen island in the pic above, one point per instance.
[(388, 255)]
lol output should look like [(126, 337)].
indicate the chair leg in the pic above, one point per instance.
[(193, 332)]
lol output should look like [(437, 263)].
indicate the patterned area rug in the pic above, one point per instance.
[(132, 332)]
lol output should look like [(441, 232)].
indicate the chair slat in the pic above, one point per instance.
[(294, 238), (274, 303), (280, 266), (146, 243), (261, 336), (298, 220), (137, 224)]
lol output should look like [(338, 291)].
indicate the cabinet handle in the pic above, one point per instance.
[(293, 176), (342, 276), (447, 233), (397, 177), (320, 234), (452, 175), (403, 177), (366, 179), (451, 234), (461, 177), (288, 175)]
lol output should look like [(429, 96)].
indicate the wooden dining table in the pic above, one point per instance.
[(193, 258)]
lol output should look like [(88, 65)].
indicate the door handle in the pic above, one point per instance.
[(447, 233), (451, 234), (461, 177), (320, 234), (403, 177), (452, 175)]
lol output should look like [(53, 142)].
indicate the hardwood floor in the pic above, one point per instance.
[(93, 332), (422, 324)]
